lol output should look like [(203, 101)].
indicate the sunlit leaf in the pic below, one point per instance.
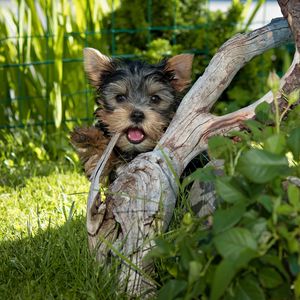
[(55, 98), (275, 143)]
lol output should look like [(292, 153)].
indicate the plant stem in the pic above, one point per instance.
[(277, 116)]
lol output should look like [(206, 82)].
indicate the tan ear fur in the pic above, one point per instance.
[(94, 64), (181, 65)]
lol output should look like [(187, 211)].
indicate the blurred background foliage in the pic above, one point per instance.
[(42, 83)]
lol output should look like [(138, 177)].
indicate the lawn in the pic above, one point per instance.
[(43, 242)]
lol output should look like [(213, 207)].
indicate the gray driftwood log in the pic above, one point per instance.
[(140, 202)]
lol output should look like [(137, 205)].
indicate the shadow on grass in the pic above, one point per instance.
[(55, 263)]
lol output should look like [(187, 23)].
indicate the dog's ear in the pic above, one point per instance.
[(181, 66), (95, 63)]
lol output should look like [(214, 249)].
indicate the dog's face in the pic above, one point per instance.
[(135, 98)]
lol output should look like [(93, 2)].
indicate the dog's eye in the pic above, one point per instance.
[(120, 98), (155, 98)]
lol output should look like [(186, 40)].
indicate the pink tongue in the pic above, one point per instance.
[(135, 135)]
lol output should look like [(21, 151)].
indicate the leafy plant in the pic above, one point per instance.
[(249, 248)]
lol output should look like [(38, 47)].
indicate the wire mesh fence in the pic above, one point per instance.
[(41, 42)]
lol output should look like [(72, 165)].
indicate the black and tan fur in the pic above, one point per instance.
[(134, 98)]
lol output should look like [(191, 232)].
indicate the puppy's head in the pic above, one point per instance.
[(136, 98)]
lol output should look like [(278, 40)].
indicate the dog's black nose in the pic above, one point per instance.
[(137, 116)]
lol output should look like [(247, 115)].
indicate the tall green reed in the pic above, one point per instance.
[(41, 74)]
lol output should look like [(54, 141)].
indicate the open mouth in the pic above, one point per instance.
[(135, 135)]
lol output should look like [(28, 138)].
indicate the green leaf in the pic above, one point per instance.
[(204, 174), (219, 146), (172, 268), (294, 196), (274, 261), (231, 243), (275, 143), (293, 97), (172, 289), (258, 228), (226, 271), (229, 190), (186, 255), (255, 128), (285, 209), (36, 21), (297, 286), (284, 291), (249, 289), (262, 112), (261, 166), (55, 99), (163, 249), (294, 265), (227, 218), (269, 277), (195, 269), (294, 143), (244, 136), (293, 244), (266, 202)]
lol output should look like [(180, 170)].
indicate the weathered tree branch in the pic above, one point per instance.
[(140, 202), (230, 58), (291, 11)]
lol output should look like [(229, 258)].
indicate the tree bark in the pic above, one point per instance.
[(139, 203)]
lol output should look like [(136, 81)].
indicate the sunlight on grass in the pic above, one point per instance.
[(42, 201)]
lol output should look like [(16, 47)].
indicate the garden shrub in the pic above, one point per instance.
[(251, 248)]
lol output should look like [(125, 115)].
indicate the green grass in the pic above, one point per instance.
[(44, 201), (43, 241)]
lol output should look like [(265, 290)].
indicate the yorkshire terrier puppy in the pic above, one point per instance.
[(135, 99)]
